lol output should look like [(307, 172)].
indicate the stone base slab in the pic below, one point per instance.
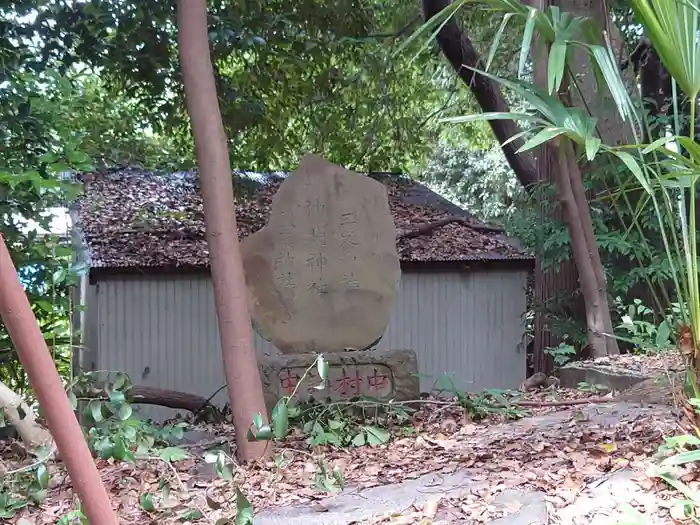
[(382, 374), (613, 378)]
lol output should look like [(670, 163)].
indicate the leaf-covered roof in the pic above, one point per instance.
[(131, 218)]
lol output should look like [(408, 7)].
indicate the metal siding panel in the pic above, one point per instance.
[(465, 324)]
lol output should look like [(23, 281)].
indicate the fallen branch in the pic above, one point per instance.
[(149, 395), (536, 404), (427, 228), (21, 417), (562, 403)]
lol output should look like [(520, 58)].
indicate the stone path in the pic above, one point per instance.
[(600, 504)]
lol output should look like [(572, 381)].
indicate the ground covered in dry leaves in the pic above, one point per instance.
[(558, 450)]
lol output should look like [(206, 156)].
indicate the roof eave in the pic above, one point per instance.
[(463, 265)]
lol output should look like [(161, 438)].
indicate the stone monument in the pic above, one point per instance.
[(322, 275)]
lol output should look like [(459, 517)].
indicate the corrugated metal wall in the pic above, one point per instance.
[(162, 331)]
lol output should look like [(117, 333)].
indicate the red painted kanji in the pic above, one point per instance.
[(289, 381), (346, 384), (377, 381)]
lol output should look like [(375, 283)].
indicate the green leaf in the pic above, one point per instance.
[(338, 476), (224, 472), (438, 21), (119, 451), (120, 381), (280, 418), (592, 147), (683, 458), (663, 333), (258, 420), (556, 66), (497, 39), (542, 137), (117, 398), (322, 367), (77, 157), (244, 510), (146, 502), (59, 276), (334, 424), (125, 412), (527, 40), (96, 410), (191, 515), (359, 439), (36, 494), (42, 476), (634, 167), (48, 158), (657, 144), (45, 305), (376, 436), (482, 117), (72, 400), (264, 433), (173, 454)]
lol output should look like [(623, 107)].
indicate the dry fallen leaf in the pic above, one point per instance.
[(431, 507)]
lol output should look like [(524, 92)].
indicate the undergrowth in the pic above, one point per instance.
[(114, 432)]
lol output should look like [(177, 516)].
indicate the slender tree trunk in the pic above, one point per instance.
[(577, 217), (27, 338), (613, 131), (600, 333), (552, 167), (550, 283), (459, 50), (240, 360)]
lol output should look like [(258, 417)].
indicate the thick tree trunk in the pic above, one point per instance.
[(550, 283), (460, 52), (235, 328)]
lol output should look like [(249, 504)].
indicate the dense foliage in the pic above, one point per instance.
[(99, 82)]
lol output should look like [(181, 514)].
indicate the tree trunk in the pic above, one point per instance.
[(550, 283), (235, 328), (582, 256), (21, 324), (21, 416), (460, 52), (570, 275), (612, 130), (595, 294)]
